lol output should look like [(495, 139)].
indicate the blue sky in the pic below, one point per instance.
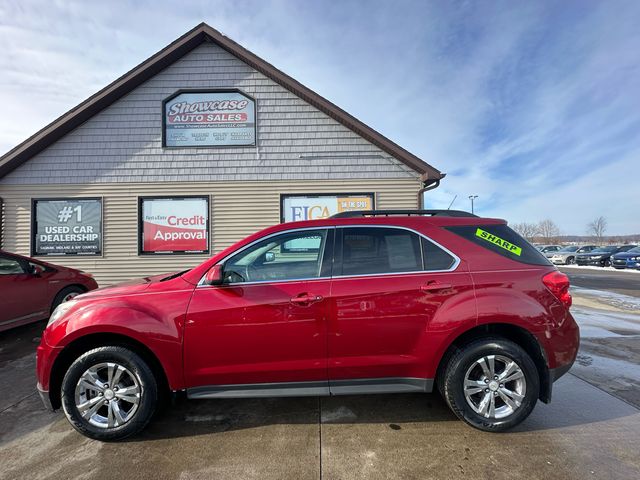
[(533, 106)]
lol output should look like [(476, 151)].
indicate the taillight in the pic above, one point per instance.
[(558, 284)]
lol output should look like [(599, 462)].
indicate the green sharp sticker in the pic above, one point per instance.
[(489, 237)]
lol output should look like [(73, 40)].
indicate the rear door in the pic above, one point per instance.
[(23, 294), (389, 284)]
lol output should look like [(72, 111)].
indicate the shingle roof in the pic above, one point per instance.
[(153, 65)]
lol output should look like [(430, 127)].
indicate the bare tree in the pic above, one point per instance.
[(527, 230), (597, 227), (548, 230)]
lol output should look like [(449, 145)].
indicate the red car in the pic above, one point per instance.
[(372, 302), (31, 289)]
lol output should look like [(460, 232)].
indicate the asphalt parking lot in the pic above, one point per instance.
[(618, 281), (590, 430)]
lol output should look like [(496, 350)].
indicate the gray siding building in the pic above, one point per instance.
[(251, 147)]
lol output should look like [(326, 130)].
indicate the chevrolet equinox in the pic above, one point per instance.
[(359, 303)]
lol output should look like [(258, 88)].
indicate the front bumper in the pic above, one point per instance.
[(593, 263), (44, 396), (558, 260)]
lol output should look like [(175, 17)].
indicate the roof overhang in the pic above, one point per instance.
[(165, 57)]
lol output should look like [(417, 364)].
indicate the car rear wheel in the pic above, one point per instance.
[(491, 384), (65, 295), (109, 393), (570, 261)]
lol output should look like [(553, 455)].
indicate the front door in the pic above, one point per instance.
[(267, 323), (389, 284), (23, 294)]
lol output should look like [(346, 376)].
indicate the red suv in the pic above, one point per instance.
[(363, 302)]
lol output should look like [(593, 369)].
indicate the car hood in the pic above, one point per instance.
[(126, 288), (626, 255)]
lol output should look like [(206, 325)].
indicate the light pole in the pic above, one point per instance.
[(472, 198)]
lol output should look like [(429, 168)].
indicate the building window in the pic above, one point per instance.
[(173, 225), (314, 206), (66, 226)]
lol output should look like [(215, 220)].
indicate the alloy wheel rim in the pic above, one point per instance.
[(107, 395), (69, 296), (495, 386)]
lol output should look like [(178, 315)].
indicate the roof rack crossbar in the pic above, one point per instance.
[(386, 213)]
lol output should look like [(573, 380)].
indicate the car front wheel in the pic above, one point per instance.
[(109, 393), (491, 384), (570, 261)]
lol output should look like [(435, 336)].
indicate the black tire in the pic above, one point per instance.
[(464, 358), (605, 263), (570, 261), (139, 369), (64, 294)]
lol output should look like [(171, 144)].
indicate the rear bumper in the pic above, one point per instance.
[(556, 373)]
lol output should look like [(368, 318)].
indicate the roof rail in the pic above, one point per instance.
[(386, 213)]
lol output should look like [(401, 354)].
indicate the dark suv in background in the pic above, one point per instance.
[(601, 256), (360, 303)]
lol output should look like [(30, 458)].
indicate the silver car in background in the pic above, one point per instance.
[(567, 255)]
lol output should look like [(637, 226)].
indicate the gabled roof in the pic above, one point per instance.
[(183, 45)]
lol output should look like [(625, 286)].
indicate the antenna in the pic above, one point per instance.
[(451, 204)]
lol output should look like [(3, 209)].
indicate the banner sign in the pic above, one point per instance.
[(313, 207), (174, 225), (209, 119), (67, 226)]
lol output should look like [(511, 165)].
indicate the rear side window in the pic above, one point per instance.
[(502, 240), (368, 250), (434, 257)]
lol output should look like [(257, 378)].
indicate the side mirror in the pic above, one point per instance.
[(214, 276), (35, 270), (269, 257)]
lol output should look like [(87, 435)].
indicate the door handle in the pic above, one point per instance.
[(434, 286), (306, 299)]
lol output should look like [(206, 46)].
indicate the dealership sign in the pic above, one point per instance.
[(314, 207), (174, 225), (67, 226), (211, 118)]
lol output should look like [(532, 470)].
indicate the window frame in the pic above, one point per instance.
[(327, 258), (333, 254)]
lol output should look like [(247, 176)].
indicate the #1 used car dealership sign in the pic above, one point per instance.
[(67, 226), (209, 118)]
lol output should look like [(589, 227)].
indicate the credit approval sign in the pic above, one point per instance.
[(174, 225), (297, 207), (210, 118)]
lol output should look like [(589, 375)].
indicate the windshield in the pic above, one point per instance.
[(570, 248), (604, 250), (633, 250)]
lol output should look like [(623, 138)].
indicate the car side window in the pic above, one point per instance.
[(10, 266), (370, 250), (434, 257), (288, 256)]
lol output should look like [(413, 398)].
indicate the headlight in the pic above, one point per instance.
[(59, 312), (635, 259), (595, 257)]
